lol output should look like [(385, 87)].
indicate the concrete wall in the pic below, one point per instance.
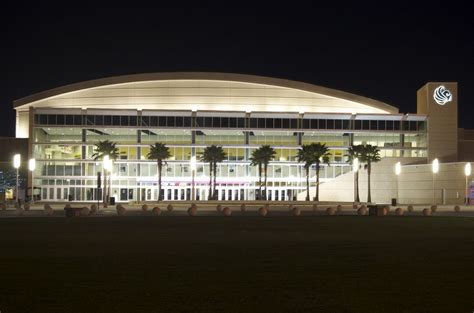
[(442, 124), (414, 185)]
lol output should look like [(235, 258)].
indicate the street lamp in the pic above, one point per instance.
[(16, 165), (355, 169), (193, 173), (32, 167), (398, 171), (435, 170), (467, 173)]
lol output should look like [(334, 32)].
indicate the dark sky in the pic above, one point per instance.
[(385, 53)]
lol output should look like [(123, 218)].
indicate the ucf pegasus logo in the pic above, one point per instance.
[(442, 95)]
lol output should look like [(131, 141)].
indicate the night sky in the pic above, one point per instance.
[(383, 53)]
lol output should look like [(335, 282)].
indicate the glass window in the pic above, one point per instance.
[(330, 124), (285, 123), (233, 122), (314, 124), (373, 125), (133, 121), (69, 120), (396, 125), (199, 122), (78, 120), (261, 123), (99, 120), (187, 121), (306, 124), (60, 119), (293, 123), (322, 124), (43, 119), (116, 120), (253, 123), (241, 122), (90, 120), (124, 121)]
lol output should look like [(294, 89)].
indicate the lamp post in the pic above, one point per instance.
[(398, 170), (435, 170), (193, 173), (16, 165), (355, 169), (32, 167), (467, 173)]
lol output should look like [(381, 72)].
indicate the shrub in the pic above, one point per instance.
[(330, 211), (27, 206), (296, 211), (426, 212), (85, 211), (362, 210), (192, 211), (144, 208), (354, 206), (315, 208), (227, 211), (219, 208), (399, 211), (93, 208), (169, 207), (156, 211), (434, 208), (457, 208), (410, 208), (339, 208), (121, 211), (243, 208), (262, 211), (3, 206), (48, 210)]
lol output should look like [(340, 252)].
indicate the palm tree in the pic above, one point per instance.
[(159, 152), (256, 160), (352, 153), (305, 156), (369, 154), (101, 149), (320, 155), (213, 155), (262, 157)]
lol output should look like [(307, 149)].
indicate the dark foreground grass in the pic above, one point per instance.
[(238, 264)]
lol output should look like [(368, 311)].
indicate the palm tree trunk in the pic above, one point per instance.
[(307, 184), (356, 183), (265, 168), (209, 197), (159, 180), (215, 178), (317, 181), (369, 198), (104, 193), (260, 181)]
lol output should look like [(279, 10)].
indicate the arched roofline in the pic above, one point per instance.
[(243, 78)]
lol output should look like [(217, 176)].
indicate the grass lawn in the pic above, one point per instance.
[(237, 264)]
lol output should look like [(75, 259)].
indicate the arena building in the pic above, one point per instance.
[(189, 111)]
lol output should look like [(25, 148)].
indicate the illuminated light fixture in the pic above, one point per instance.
[(442, 95), (193, 163), (248, 111), (467, 169), (17, 161), (435, 166), (467, 173), (301, 112), (32, 164), (355, 165), (398, 168)]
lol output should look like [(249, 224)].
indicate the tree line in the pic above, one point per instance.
[(313, 154)]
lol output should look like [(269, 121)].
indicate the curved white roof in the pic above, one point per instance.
[(203, 91)]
